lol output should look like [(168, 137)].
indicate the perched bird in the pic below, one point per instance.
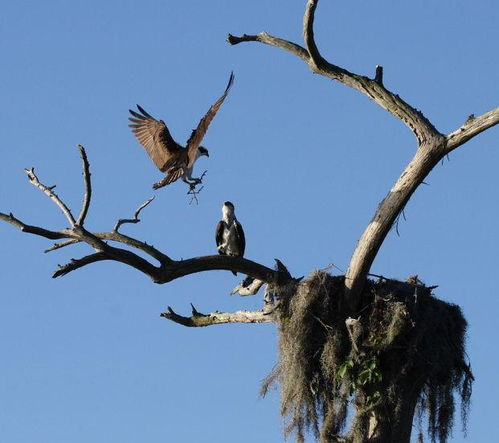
[(229, 234), (171, 158)]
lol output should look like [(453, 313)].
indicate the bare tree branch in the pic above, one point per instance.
[(308, 35), (48, 191), (268, 39), (60, 245), (29, 229), (370, 242), (113, 253), (137, 244), (173, 269), (135, 218), (88, 186), (432, 145), (181, 268), (79, 263), (168, 270), (249, 286), (414, 119), (473, 126), (216, 318), (121, 238)]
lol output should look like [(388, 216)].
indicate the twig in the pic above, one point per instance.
[(56, 246), (378, 78), (88, 186), (192, 189), (135, 218), (48, 191), (249, 286)]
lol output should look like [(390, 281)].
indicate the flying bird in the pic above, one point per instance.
[(229, 233), (174, 160)]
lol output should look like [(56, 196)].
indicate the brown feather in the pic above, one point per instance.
[(198, 134), (174, 174), (155, 137)]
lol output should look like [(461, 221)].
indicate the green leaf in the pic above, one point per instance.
[(342, 371)]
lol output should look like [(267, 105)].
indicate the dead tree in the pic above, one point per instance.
[(384, 347)]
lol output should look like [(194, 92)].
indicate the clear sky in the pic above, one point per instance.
[(86, 357)]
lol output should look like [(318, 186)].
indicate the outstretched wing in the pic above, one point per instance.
[(155, 137), (240, 237), (198, 133)]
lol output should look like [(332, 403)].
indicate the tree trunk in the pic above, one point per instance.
[(391, 421)]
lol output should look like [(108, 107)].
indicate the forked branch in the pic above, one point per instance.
[(373, 89), (165, 271), (135, 218), (432, 145)]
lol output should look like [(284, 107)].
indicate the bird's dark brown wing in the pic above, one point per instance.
[(219, 233), (198, 133), (241, 238), (155, 137)]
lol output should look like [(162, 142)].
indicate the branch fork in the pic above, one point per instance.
[(432, 145), (166, 268)]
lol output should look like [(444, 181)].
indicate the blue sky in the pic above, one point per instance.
[(86, 357)]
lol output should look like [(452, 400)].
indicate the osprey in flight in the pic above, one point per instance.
[(229, 234), (171, 158)]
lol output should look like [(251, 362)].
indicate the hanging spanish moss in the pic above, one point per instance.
[(402, 354)]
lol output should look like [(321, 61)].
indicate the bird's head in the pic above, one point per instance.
[(203, 151), (227, 209)]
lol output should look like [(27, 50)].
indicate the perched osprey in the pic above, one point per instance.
[(174, 160), (229, 234)]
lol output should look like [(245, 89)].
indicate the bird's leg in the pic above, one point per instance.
[(194, 180)]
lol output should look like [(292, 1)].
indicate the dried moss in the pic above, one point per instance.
[(406, 351)]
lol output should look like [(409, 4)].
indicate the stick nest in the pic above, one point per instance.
[(404, 354)]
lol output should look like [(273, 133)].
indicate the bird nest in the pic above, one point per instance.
[(403, 356)]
